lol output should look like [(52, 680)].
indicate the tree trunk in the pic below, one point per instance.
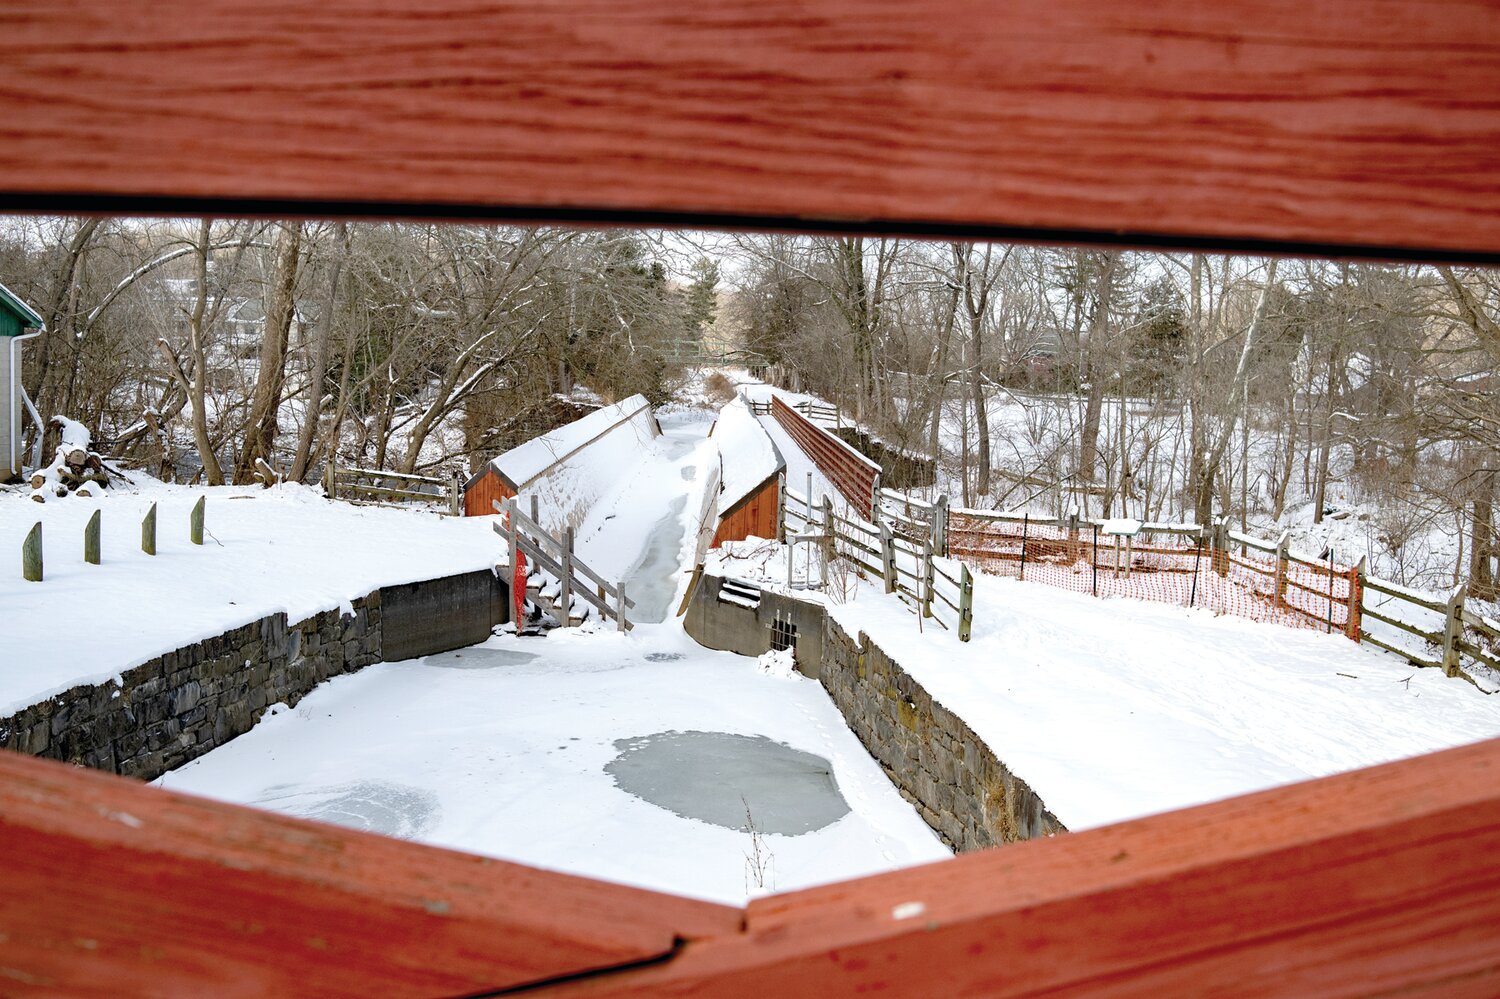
[(1482, 539), (1088, 443), (313, 408), (261, 431)]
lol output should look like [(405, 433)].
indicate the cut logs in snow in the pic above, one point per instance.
[(75, 470)]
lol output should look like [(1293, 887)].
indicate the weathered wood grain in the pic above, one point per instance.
[(1378, 882), (112, 888), (1348, 123)]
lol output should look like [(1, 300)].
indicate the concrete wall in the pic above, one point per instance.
[(937, 762), (729, 627), (185, 703), (436, 615)]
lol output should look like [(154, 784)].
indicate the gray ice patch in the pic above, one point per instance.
[(733, 781)]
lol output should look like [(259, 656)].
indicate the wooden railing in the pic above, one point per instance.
[(1376, 882), (541, 550), (856, 477), (371, 485)]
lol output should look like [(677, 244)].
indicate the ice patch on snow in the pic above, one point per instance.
[(375, 806)]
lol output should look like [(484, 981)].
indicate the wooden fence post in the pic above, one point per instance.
[(91, 540), (1452, 629), (940, 524), (457, 499), (331, 479), (830, 535), (1221, 546), (1281, 568), (195, 522), (1357, 600), (1073, 551), (148, 531), (536, 512), (567, 576), (781, 511), (927, 579), (965, 602), (888, 557), (31, 554), (620, 612)]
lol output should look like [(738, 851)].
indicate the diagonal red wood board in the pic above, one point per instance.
[(1359, 123), (111, 888)]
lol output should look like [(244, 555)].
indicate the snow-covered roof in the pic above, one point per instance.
[(525, 462), (749, 456)]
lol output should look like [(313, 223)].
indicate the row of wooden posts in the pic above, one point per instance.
[(31, 547), (856, 542)]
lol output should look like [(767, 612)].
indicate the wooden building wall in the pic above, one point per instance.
[(483, 491), (753, 516)]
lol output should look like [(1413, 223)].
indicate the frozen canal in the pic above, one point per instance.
[(507, 749)]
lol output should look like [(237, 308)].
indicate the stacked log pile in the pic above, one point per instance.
[(75, 470)]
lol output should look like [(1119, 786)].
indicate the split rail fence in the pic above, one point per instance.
[(371, 485), (937, 589)]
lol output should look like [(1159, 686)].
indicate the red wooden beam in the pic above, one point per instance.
[(1379, 882), (112, 888), (1353, 123)]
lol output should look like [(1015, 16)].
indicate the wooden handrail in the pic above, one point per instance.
[(112, 888)]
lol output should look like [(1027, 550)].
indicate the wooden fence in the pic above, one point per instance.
[(937, 589), (532, 548), (369, 485), (856, 477)]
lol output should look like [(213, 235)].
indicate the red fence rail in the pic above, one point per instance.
[(856, 477)]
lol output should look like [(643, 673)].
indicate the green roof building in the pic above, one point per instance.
[(18, 321)]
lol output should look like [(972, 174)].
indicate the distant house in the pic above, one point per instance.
[(17, 322)]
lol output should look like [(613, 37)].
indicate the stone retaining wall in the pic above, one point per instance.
[(936, 761), (182, 704)]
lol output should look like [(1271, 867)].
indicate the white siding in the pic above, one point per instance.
[(10, 413)]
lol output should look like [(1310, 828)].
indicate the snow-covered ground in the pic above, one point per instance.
[(1116, 708), (285, 549), (491, 751)]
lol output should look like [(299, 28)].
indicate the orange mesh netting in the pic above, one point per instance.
[(1164, 567)]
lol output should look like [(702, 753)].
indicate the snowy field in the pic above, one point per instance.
[(501, 750), (1112, 709), (267, 550)]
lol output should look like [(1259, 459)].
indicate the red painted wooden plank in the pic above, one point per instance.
[(1351, 122), (112, 888), (1380, 882)]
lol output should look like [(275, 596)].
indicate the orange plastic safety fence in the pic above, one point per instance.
[(1166, 568)]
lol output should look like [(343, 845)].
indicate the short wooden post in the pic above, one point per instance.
[(536, 513), (1281, 568), (456, 498), (195, 522), (510, 531), (331, 479), (1221, 546), (927, 579), (829, 537), (965, 603), (781, 511), (1355, 628), (940, 525), (1073, 542), (31, 554), (148, 531), (620, 613), (91, 540), (1453, 628), (567, 576), (888, 557)]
